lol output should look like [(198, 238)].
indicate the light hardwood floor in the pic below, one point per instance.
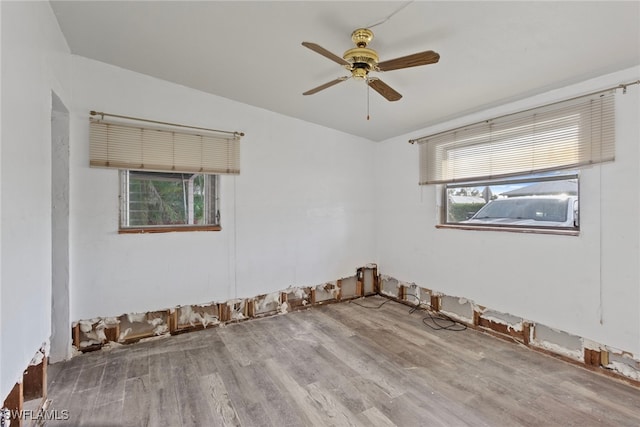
[(339, 364)]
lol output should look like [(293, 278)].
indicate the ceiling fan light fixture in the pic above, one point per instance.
[(360, 73)]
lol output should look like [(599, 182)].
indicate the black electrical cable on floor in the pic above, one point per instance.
[(449, 325), (439, 322), (370, 306)]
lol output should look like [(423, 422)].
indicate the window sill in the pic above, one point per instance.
[(168, 229), (510, 229)]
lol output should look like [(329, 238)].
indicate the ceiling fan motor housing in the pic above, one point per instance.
[(362, 58)]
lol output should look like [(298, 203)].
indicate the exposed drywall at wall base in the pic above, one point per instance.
[(572, 348), (622, 362), (93, 334), (325, 292), (300, 212), (405, 292), (368, 280), (390, 287), (592, 278), (296, 298), (348, 287), (196, 316), (558, 341), (35, 62), (459, 308)]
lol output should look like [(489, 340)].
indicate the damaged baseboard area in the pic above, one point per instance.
[(571, 348), (32, 386), (93, 334)]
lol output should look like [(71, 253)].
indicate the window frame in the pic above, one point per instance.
[(124, 204), (443, 220)]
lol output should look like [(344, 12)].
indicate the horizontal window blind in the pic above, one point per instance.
[(564, 135), (125, 146)]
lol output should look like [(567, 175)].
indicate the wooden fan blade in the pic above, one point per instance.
[(324, 52), (326, 85), (384, 89), (422, 58)]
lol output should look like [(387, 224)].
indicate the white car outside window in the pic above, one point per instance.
[(529, 211)]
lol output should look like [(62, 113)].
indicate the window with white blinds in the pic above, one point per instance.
[(125, 146), (564, 135)]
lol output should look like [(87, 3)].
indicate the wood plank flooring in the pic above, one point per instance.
[(335, 365)]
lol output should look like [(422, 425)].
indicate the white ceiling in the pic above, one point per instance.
[(491, 52)]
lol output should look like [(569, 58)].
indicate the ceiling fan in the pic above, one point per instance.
[(361, 60)]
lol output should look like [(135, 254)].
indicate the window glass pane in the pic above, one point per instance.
[(535, 201), (167, 199)]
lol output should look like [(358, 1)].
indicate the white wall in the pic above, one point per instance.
[(35, 61), (300, 212), (587, 285)]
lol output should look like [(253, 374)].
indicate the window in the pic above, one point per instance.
[(159, 201), (169, 173), (537, 202), (506, 171)]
